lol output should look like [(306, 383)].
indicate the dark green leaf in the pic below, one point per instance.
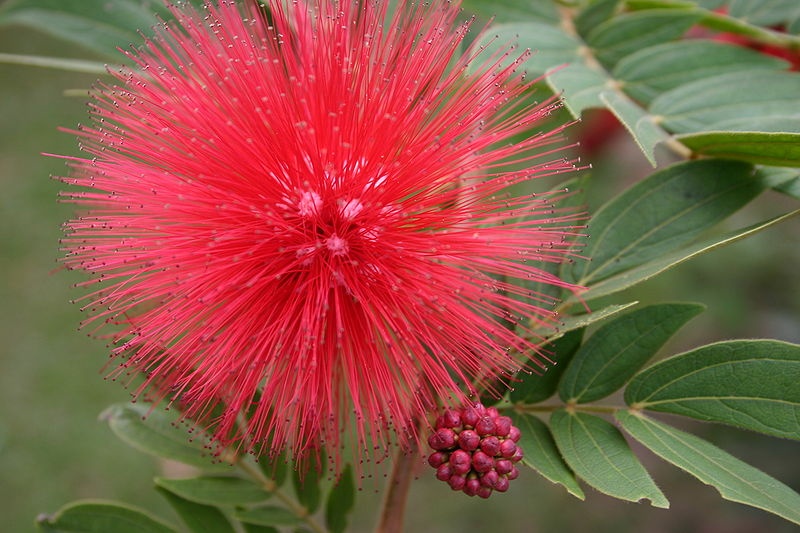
[(534, 388), (661, 213), (579, 321), (639, 123), (764, 12), (158, 433), (750, 384), (102, 517), (735, 480), (198, 518), (598, 454), (651, 71), (268, 516), (276, 469), (620, 348), (779, 149), (595, 14), (340, 502), (542, 455), (253, 528), (761, 98), (625, 34), (665, 262), (216, 490)]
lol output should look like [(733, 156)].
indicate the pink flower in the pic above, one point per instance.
[(302, 218)]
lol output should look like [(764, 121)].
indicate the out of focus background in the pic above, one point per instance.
[(54, 450)]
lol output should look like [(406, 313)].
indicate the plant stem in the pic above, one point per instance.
[(394, 505), (269, 486)]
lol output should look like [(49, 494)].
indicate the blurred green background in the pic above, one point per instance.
[(54, 450)]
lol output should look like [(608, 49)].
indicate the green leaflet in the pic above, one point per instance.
[(215, 490), (542, 455), (341, 500), (597, 452), (198, 518), (91, 516), (611, 356), (752, 384), (779, 149), (639, 123), (735, 480), (579, 321), (268, 516), (533, 388)]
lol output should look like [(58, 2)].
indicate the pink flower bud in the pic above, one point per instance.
[(484, 492), (503, 466), (470, 416), (517, 455), (514, 474), (482, 462), (444, 472), (501, 485), (457, 482), (461, 461), (492, 412), (502, 426), (508, 448), (471, 487), (437, 459), (443, 439), (468, 440), (489, 479), (514, 434), (490, 445), (485, 426), (450, 419)]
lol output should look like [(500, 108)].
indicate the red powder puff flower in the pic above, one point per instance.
[(297, 220)]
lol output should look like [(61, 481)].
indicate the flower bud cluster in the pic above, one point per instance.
[(476, 450)]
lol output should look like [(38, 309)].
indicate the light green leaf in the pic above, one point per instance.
[(72, 65), (532, 388), (276, 469), (268, 516), (581, 87), (665, 262), (551, 47), (731, 101), (790, 188), (215, 490), (597, 452), (542, 455), (779, 149), (579, 321), (750, 384), (637, 121), (595, 14), (735, 480), (198, 518), (340, 502), (307, 485), (514, 10), (649, 72), (764, 12), (625, 34), (661, 213), (620, 348), (94, 516), (253, 528), (158, 433)]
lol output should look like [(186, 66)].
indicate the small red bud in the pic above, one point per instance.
[(484, 492), (492, 412), (437, 459), (514, 474), (468, 440), (443, 439), (503, 466), (517, 455), (489, 479), (490, 445), (451, 419), (444, 472), (508, 448), (485, 426), (514, 434), (502, 426), (461, 461), (501, 485), (470, 416), (471, 487), (482, 462), (457, 482)]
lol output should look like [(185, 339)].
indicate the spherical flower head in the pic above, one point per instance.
[(297, 219)]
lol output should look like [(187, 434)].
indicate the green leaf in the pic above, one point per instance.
[(197, 517), (779, 149), (215, 490), (625, 34), (639, 123), (581, 86), (268, 516), (341, 500), (253, 528), (307, 485), (533, 388), (514, 10), (764, 12), (665, 262), (72, 65), (595, 14), (157, 433), (649, 72), (94, 516), (551, 46), (597, 452), (579, 321), (735, 480), (620, 348), (276, 469), (750, 384), (542, 455), (731, 101), (790, 188), (661, 213)]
